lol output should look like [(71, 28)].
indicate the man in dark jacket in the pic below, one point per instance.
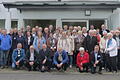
[(96, 60), (21, 39), (103, 28), (117, 38), (31, 59), (45, 58), (90, 41)]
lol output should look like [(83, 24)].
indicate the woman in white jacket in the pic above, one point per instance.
[(64, 42), (111, 49)]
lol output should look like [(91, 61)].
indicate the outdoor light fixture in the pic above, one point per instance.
[(87, 12), (59, 0)]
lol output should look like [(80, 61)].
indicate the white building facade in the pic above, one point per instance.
[(19, 13)]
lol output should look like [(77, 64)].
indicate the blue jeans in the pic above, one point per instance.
[(3, 57), (71, 59)]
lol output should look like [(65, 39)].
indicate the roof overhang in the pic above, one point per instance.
[(63, 5)]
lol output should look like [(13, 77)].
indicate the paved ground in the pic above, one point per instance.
[(8, 74)]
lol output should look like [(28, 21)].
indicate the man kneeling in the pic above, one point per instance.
[(18, 57), (31, 59), (96, 60), (61, 59)]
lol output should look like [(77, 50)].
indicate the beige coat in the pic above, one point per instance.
[(102, 44), (72, 45), (64, 43)]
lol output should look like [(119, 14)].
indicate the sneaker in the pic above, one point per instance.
[(70, 66), (2, 67)]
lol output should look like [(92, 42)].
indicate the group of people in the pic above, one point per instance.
[(42, 49)]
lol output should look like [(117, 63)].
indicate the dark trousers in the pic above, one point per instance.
[(64, 66), (104, 60), (10, 57), (107, 62), (31, 67), (47, 65), (118, 64), (75, 57), (85, 67), (93, 69), (113, 63), (4, 57), (21, 63)]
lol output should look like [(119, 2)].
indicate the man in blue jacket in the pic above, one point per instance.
[(60, 59), (18, 57), (5, 45)]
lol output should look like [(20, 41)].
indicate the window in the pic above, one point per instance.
[(96, 23), (14, 24), (2, 24)]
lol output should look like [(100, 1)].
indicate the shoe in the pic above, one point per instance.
[(29, 69), (92, 72), (114, 72), (2, 67), (99, 72)]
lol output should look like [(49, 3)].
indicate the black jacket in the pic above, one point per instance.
[(31, 42), (22, 41), (92, 57), (89, 43), (101, 32), (45, 55), (28, 56)]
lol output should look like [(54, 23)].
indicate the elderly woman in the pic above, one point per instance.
[(78, 41), (82, 60), (71, 49), (64, 42), (111, 49)]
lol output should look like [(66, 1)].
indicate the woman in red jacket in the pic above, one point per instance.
[(83, 60)]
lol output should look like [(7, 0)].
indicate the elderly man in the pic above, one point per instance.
[(31, 58), (96, 60), (83, 60), (46, 33), (90, 41), (5, 45), (117, 38), (45, 58), (103, 28), (60, 59), (18, 57), (111, 50)]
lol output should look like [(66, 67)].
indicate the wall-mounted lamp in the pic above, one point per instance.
[(87, 12)]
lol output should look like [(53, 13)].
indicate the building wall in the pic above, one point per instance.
[(66, 14), (114, 19), (14, 14)]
